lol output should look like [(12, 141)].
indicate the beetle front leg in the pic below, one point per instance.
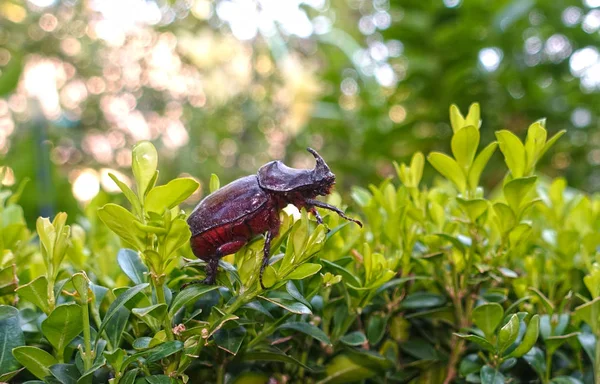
[(266, 256), (320, 204)]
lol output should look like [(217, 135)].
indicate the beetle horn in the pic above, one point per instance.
[(321, 168)]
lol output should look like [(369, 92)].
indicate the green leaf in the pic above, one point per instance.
[(157, 353), (376, 327), (490, 376), (535, 358), (116, 326), (170, 195), (543, 299), (479, 164), (464, 145), (277, 356), (144, 160), (65, 373), (63, 325), (8, 280), (554, 342), (474, 116), (132, 265), (348, 276), (508, 333), (188, 295), (303, 271), (290, 287), (354, 339), (36, 292), (343, 369), (214, 183), (230, 340), (589, 313), (534, 144), (308, 329), (158, 379), (457, 121), (122, 222), (449, 168), (178, 236), (513, 151), (477, 340), (473, 208), (551, 142), (37, 361), (421, 300), (11, 336), (517, 190), (133, 199), (120, 302), (505, 217), (529, 339), (129, 376), (487, 317), (294, 307)]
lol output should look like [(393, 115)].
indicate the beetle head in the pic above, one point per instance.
[(322, 175)]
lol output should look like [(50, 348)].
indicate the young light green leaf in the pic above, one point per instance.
[(122, 222), (551, 142), (63, 325), (513, 151), (517, 190), (129, 194), (487, 317), (214, 183), (303, 271), (464, 145), (36, 360), (535, 142), (457, 121), (170, 195), (294, 307), (474, 116), (36, 292), (479, 164), (449, 168), (144, 160)]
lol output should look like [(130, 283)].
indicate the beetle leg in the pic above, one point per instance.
[(266, 256), (314, 211), (211, 274), (320, 204)]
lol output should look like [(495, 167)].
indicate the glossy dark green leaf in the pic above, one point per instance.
[(189, 295), (355, 339), (230, 340), (376, 327), (132, 265), (63, 325), (11, 336), (158, 379), (423, 300), (488, 317), (37, 361), (294, 307), (116, 326), (477, 340), (491, 376), (129, 376), (120, 302), (290, 287), (164, 350), (65, 373), (535, 358), (307, 329)]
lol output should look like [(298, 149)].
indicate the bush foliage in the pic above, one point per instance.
[(446, 283)]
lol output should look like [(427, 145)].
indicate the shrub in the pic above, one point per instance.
[(445, 283)]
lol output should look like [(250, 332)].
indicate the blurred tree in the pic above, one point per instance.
[(225, 86)]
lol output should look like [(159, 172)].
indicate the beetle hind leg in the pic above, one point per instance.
[(211, 274)]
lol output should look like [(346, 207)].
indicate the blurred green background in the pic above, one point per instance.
[(225, 86)]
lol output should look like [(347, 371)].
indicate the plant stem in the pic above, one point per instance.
[(597, 361), (221, 373), (549, 367), (88, 356), (160, 297)]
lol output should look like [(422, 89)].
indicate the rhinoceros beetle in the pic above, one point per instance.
[(227, 219)]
